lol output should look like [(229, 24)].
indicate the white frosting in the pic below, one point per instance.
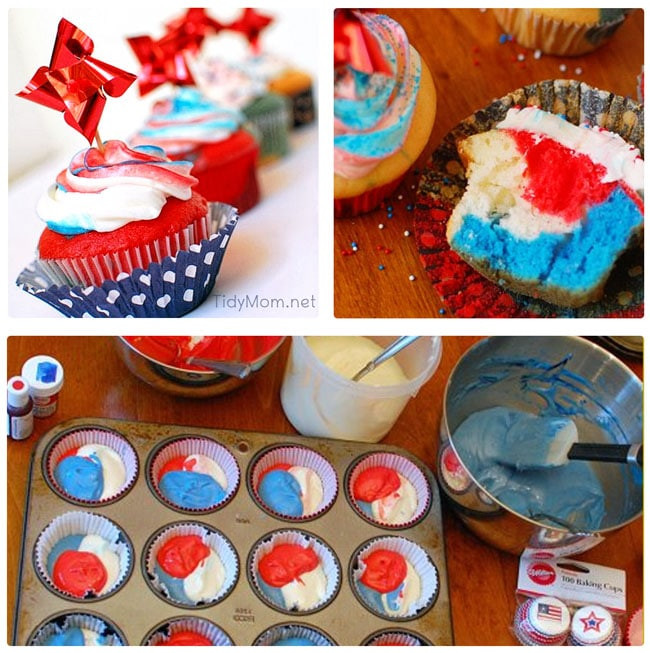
[(101, 548), (621, 160), (114, 472), (205, 465), (307, 591), (227, 85), (398, 507), (264, 66), (91, 638), (311, 488), (409, 594), (206, 580)]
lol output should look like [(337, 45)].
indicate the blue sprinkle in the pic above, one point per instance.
[(441, 311), (503, 38), (353, 243), (409, 207), (389, 208), (381, 267)]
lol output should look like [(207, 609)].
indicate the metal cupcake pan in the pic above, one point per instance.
[(135, 609)]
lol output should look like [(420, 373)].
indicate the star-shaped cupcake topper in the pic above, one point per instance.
[(76, 83), (251, 23), (591, 622)]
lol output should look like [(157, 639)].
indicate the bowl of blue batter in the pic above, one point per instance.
[(503, 400)]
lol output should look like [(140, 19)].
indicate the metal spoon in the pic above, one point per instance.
[(240, 370), (390, 351)]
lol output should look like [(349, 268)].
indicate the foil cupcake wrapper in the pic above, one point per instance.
[(80, 437), (300, 456), (420, 562), (209, 536), (83, 523), (327, 557), (403, 466), (59, 624), (160, 634), (187, 446), (396, 638), (286, 631), (171, 288), (442, 184)]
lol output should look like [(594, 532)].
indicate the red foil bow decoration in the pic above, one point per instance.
[(75, 82), (355, 46), (250, 24), (192, 27)]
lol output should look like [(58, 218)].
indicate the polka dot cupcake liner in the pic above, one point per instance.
[(212, 538), (188, 446), (300, 457), (327, 558), (83, 523), (405, 468), (421, 564), (105, 630), (278, 634), (395, 638), (88, 436), (171, 288), (162, 633)]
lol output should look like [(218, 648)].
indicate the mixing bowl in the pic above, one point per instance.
[(187, 382), (558, 376)]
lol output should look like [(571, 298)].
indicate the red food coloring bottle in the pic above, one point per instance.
[(20, 409)]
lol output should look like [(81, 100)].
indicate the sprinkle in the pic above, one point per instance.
[(441, 311), (578, 71), (389, 208), (381, 267), (381, 225), (413, 187), (476, 62), (409, 207), (353, 243), (411, 277), (503, 38), (400, 197), (537, 54), (407, 233), (475, 49), (562, 68), (521, 57), (511, 37), (355, 249)]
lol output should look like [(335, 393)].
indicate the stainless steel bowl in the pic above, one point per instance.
[(182, 382), (559, 375)]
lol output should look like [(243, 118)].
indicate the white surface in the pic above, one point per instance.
[(273, 255)]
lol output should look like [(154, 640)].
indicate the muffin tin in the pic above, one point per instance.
[(136, 610)]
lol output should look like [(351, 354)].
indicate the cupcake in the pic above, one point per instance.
[(77, 629), (452, 472), (223, 154), (394, 578), (268, 112), (190, 564), (294, 571), (396, 638), (83, 556), (384, 108), (91, 465), (389, 490), (187, 631), (543, 621), (193, 474), (565, 32), (293, 482), (593, 625), (293, 635)]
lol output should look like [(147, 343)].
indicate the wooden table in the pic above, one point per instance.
[(470, 68), (481, 579)]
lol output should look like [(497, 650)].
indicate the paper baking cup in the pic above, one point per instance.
[(285, 631), (187, 446), (348, 207), (211, 537), (88, 621), (273, 129), (534, 30), (159, 635), (83, 523), (90, 435), (299, 456), (171, 288), (409, 470), (613, 638), (327, 557), (418, 558), (528, 635), (395, 638)]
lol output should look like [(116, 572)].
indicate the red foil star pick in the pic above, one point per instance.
[(75, 83), (250, 24), (355, 46)]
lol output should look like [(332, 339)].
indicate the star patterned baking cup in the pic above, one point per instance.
[(187, 631), (90, 466), (190, 564), (294, 635), (77, 629), (464, 291), (81, 556), (193, 474), (171, 288), (594, 625), (293, 483)]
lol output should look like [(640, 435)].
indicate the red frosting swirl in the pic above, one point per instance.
[(179, 556), (375, 483), (79, 572), (385, 571), (286, 563)]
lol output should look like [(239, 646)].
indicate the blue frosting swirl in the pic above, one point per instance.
[(280, 491), (191, 490), (80, 477)]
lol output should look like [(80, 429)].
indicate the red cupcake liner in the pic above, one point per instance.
[(347, 207)]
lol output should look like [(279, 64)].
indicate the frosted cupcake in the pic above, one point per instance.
[(566, 32), (294, 635), (293, 482), (383, 111), (193, 474), (394, 578), (294, 572), (190, 564), (82, 556), (92, 466), (77, 629), (187, 631)]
